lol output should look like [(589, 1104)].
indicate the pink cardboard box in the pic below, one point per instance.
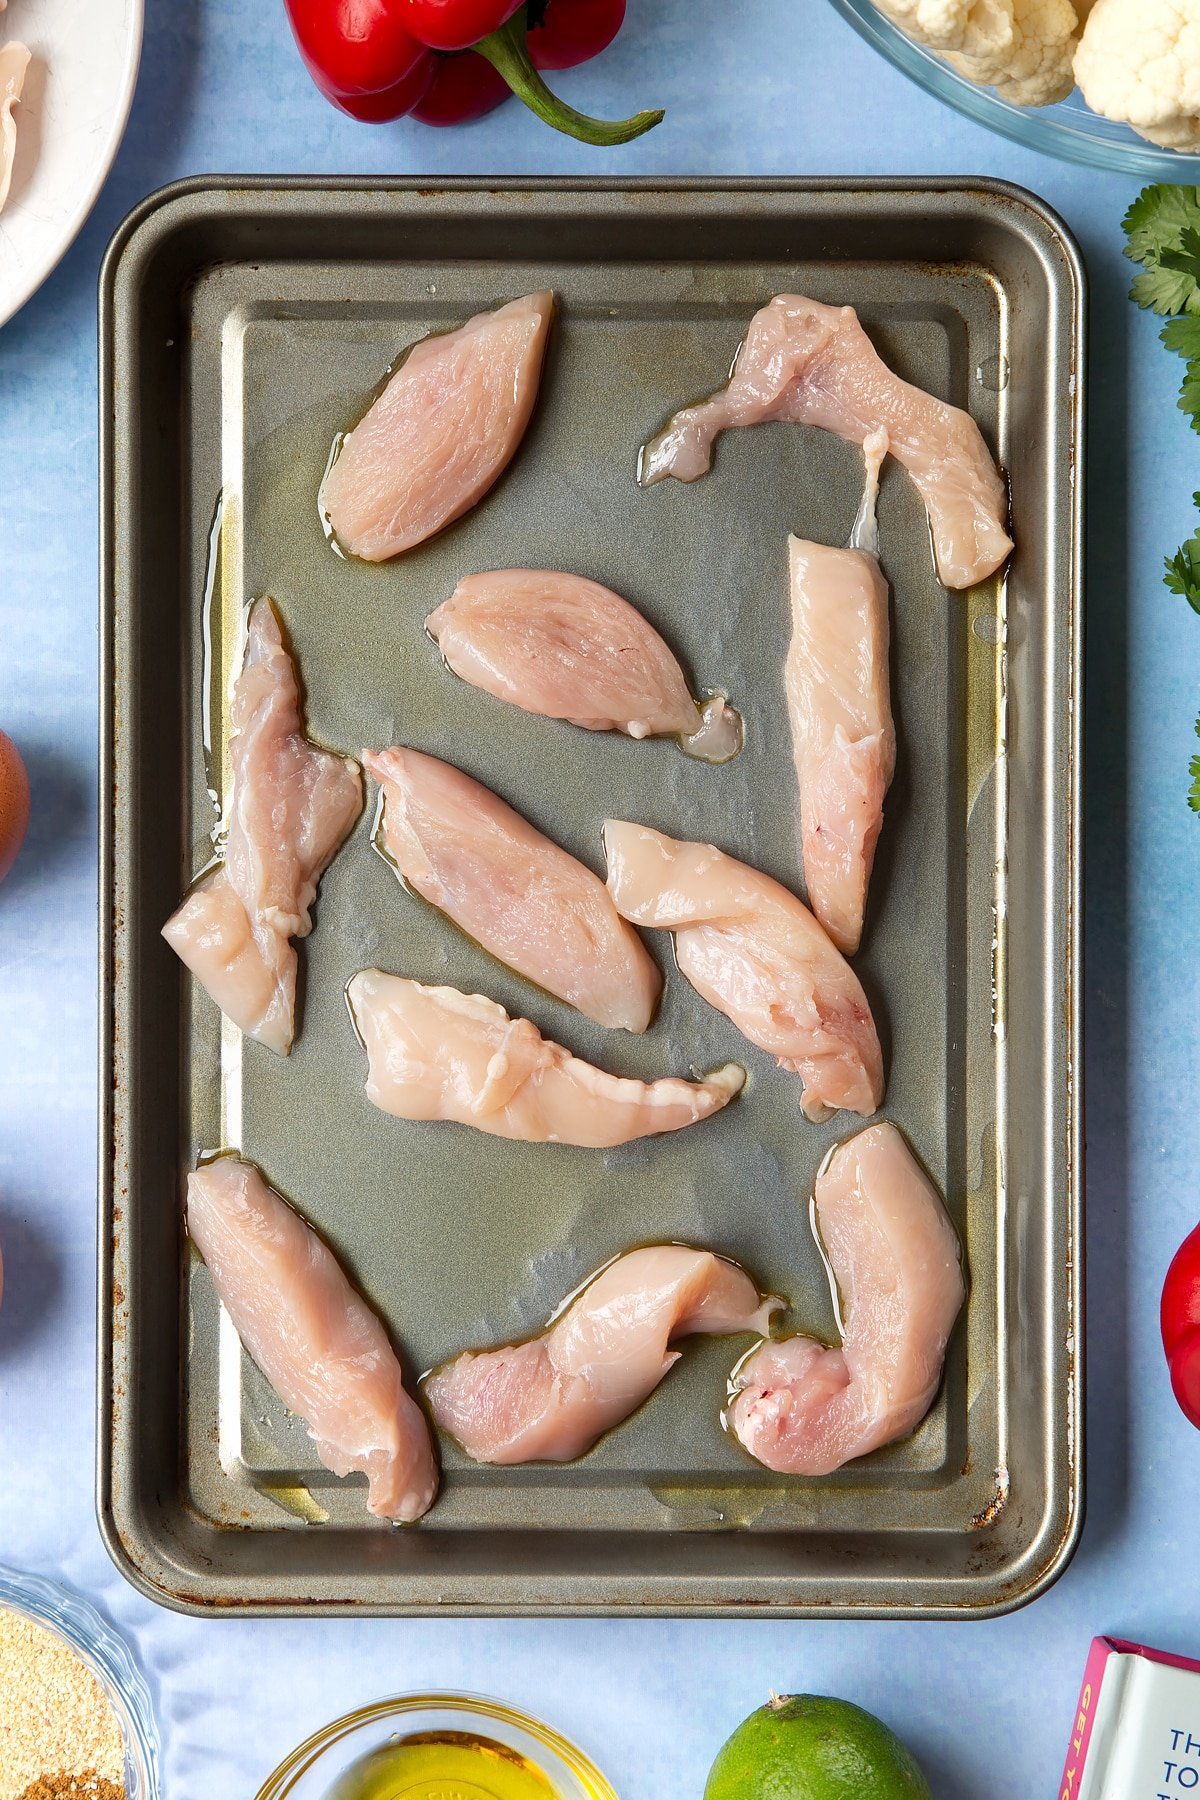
[(1136, 1733)]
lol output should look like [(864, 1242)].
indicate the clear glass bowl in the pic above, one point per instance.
[(70, 1617), (309, 1772), (1068, 129)]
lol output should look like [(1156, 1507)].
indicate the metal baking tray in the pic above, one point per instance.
[(242, 324)]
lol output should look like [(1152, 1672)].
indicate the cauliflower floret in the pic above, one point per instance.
[(974, 27), (1139, 61), (1036, 69), (1022, 48)]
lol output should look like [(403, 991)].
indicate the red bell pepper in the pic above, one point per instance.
[(463, 88), (561, 34), (568, 32), (376, 58), (361, 55), (466, 86), (1180, 1320), (508, 50), (456, 24)]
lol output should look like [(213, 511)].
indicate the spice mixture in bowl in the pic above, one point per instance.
[(76, 1721)]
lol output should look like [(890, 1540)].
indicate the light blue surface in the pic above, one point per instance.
[(773, 88)]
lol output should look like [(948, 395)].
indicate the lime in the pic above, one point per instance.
[(808, 1747)]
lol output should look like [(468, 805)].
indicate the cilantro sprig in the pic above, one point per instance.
[(1162, 230), (1182, 571)]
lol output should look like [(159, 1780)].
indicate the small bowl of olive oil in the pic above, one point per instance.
[(436, 1747)]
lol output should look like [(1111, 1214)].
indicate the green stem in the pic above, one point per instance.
[(508, 51)]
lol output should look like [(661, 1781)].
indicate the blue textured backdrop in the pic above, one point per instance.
[(773, 88)]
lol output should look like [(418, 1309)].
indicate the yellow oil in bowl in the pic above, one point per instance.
[(443, 1765), (436, 1747)]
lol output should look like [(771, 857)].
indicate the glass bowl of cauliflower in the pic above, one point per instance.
[(1113, 83)]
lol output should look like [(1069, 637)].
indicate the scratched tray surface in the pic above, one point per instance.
[(284, 307)]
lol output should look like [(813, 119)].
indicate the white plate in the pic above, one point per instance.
[(69, 123)]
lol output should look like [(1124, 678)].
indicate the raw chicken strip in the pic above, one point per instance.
[(291, 806), (549, 1399), (435, 1053), (805, 1409), (250, 975), (836, 676), (512, 890), (567, 648), (815, 365), (758, 955), (315, 1339), (14, 61), (441, 432)]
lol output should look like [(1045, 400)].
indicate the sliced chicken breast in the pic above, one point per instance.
[(290, 808), (844, 743), (815, 365), (315, 1339), (440, 434), (435, 1053), (14, 64), (250, 975), (757, 954), (513, 890), (550, 1399), (567, 648), (806, 1409)]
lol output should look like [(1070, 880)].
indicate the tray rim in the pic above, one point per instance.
[(150, 219)]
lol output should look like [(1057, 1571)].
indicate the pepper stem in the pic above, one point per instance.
[(507, 49)]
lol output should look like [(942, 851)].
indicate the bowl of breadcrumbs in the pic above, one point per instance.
[(76, 1721)]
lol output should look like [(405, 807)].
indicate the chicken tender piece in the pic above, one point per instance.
[(291, 807), (14, 64), (551, 1398), (844, 743), (757, 954), (436, 1053), (521, 896), (805, 363), (441, 433), (313, 1336), (567, 648), (805, 1409)]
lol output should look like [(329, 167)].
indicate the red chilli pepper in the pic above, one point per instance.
[(507, 39), (1180, 1320), (362, 56), (570, 32), (463, 88)]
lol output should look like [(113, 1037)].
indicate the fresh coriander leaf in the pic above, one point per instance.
[(1194, 772), (1186, 260), (1183, 336), (1163, 231), (1189, 395), (1165, 291), (1157, 219), (1181, 572)]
